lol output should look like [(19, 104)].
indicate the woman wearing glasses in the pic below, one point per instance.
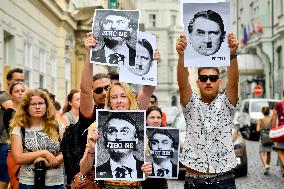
[(35, 138)]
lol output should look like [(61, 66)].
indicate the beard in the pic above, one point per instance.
[(111, 43), (117, 155), (209, 97)]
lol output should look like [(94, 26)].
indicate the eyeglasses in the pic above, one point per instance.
[(99, 90), (35, 104), (212, 78)]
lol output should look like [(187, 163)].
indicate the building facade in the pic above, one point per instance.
[(259, 26), (162, 18)]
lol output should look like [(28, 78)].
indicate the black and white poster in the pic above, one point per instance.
[(120, 148), (144, 70), (206, 26), (115, 32), (164, 151)]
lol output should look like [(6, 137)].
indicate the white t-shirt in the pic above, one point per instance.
[(208, 143), (36, 139)]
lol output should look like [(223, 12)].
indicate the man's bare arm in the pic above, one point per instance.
[(233, 71), (86, 94), (182, 72)]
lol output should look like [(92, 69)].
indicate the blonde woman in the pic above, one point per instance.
[(119, 97), (34, 138)]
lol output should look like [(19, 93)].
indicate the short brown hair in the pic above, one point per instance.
[(265, 110), (204, 68)]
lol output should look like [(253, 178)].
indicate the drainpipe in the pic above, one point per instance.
[(272, 63)]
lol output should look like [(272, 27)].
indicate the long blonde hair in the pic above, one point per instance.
[(22, 117), (129, 92)]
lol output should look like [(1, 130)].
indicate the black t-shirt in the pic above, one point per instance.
[(84, 123), (8, 114)]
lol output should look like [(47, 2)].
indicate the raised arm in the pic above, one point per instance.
[(182, 72), (86, 94), (233, 71)]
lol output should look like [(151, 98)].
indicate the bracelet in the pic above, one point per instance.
[(233, 56)]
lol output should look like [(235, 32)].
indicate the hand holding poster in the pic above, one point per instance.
[(115, 32), (206, 29), (144, 69)]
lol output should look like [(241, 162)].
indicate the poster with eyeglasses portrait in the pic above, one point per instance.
[(115, 32), (144, 69), (206, 26), (163, 151), (120, 148)]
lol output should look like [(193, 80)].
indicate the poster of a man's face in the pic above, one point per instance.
[(122, 134), (116, 34), (144, 69), (206, 26), (163, 143)]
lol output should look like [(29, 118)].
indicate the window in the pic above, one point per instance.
[(53, 85), (28, 62), (173, 20), (152, 18), (42, 68), (279, 57), (8, 49)]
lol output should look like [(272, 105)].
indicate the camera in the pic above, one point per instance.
[(39, 179)]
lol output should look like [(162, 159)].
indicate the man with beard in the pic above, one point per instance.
[(162, 145), (119, 131), (116, 29), (208, 151)]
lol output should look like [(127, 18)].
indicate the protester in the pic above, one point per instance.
[(17, 91), (208, 151), (119, 97), (266, 144), (35, 136), (278, 111), (92, 96), (154, 102), (154, 119), (14, 75), (70, 113)]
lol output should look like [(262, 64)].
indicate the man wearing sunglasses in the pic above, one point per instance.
[(208, 153)]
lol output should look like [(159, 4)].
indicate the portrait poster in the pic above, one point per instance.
[(115, 32), (144, 70), (206, 26), (120, 148), (163, 151)]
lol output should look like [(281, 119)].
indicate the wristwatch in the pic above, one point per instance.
[(233, 56)]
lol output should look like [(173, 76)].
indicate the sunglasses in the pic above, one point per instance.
[(212, 78), (99, 90)]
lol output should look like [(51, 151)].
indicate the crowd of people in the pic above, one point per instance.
[(34, 131)]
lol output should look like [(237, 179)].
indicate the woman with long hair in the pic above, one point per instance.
[(266, 144), (35, 136), (70, 113), (17, 91), (119, 97)]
